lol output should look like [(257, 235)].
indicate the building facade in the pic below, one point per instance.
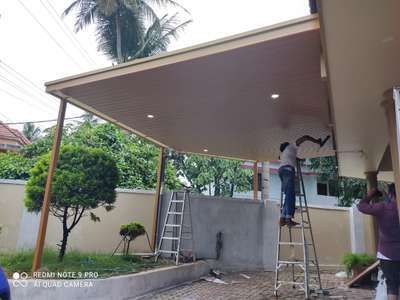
[(11, 139)]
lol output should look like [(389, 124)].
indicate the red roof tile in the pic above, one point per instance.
[(13, 134)]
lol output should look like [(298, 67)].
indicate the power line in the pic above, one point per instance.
[(31, 85), (50, 35), (2, 115), (21, 90), (43, 121), (71, 37), (20, 99)]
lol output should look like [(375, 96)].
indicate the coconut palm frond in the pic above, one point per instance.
[(122, 26), (159, 35), (166, 3), (71, 7)]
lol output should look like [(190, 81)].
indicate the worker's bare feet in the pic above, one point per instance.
[(282, 221), (290, 222)]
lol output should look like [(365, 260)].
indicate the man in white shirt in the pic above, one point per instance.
[(287, 173)]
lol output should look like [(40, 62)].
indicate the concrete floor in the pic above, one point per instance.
[(258, 286)]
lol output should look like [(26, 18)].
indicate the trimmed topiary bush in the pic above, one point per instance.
[(130, 232)]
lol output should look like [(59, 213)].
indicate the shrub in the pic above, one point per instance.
[(350, 260), (130, 232)]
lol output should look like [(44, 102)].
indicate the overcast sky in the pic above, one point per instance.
[(44, 52)]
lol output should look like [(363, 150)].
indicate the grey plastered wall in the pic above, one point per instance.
[(249, 230)]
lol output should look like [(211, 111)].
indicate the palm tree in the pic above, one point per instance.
[(31, 132), (121, 26)]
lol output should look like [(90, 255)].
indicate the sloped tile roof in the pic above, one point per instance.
[(13, 134)]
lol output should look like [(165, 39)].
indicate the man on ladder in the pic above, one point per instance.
[(287, 173)]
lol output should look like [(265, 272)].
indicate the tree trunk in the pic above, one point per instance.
[(63, 246), (118, 34), (64, 240)]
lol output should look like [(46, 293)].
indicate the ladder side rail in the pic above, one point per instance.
[(164, 226), (292, 252), (311, 234), (180, 229), (277, 263), (305, 252), (174, 207)]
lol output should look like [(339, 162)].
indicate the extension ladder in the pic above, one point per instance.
[(299, 268), (177, 227)]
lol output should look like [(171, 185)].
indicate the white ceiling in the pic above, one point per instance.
[(362, 47), (217, 96)]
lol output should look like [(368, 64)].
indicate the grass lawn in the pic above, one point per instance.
[(104, 264)]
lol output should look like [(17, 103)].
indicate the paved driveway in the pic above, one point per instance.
[(258, 286)]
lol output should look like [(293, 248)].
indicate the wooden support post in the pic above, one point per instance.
[(255, 180), (159, 187), (44, 214), (390, 111), (372, 182)]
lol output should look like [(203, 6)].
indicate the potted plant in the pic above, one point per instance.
[(356, 263)]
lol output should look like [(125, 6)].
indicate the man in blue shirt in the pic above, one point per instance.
[(4, 287)]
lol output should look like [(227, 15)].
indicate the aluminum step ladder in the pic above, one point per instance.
[(300, 269), (177, 227)]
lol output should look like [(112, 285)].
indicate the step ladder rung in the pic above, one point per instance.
[(173, 225), (295, 243), (168, 251), (177, 201), (175, 213), (170, 238), (282, 282), (288, 262)]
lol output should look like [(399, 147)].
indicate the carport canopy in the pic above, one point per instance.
[(216, 98)]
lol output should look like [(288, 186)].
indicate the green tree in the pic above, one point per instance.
[(85, 179), (349, 188), (14, 166), (223, 176), (31, 132), (136, 158), (121, 29)]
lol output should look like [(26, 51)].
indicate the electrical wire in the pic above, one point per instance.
[(10, 70), (21, 90), (6, 118), (50, 35), (33, 104), (31, 86), (42, 121), (71, 37)]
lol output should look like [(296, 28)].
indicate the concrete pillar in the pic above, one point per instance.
[(389, 106), (372, 182), (265, 181)]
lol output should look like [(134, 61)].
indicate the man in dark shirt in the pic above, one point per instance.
[(387, 216)]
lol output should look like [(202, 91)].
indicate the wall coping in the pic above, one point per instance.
[(119, 190), (13, 181)]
